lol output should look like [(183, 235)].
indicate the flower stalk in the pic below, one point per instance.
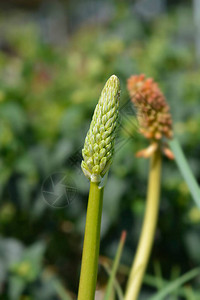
[(148, 229), (155, 123), (89, 266), (97, 157)]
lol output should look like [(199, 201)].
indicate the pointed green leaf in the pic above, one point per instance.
[(186, 170)]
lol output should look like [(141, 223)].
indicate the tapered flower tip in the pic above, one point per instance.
[(99, 143)]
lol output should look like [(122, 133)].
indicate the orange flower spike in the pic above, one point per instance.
[(153, 113)]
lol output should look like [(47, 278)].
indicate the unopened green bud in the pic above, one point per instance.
[(99, 143)]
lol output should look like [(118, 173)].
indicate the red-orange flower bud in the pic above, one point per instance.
[(152, 109)]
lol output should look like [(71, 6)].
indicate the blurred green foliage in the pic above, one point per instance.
[(47, 96)]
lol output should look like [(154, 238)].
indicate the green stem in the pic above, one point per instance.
[(148, 229), (111, 281), (90, 255)]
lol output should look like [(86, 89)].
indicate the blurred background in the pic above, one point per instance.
[(55, 57)]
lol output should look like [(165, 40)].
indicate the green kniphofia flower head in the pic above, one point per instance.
[(99, 143)]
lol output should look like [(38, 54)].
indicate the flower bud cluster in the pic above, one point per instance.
[(152, 112), (99, 143)]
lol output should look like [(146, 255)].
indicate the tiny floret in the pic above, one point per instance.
[(99, 143)]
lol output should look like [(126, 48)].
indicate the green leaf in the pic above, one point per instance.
[(158, 273), (115, 266), (16, 287), (172, 286), (186, 170), (156, 283), (29, 265)]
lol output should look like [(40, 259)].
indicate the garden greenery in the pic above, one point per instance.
[(47, 96)]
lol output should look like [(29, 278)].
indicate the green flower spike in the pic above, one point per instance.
[(99, 143)]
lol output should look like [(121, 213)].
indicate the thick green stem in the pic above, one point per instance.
[(90, 255), (148, 229)]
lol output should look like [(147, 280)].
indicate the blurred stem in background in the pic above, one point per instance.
[(90, 256), (112, 275), (148, 229)]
